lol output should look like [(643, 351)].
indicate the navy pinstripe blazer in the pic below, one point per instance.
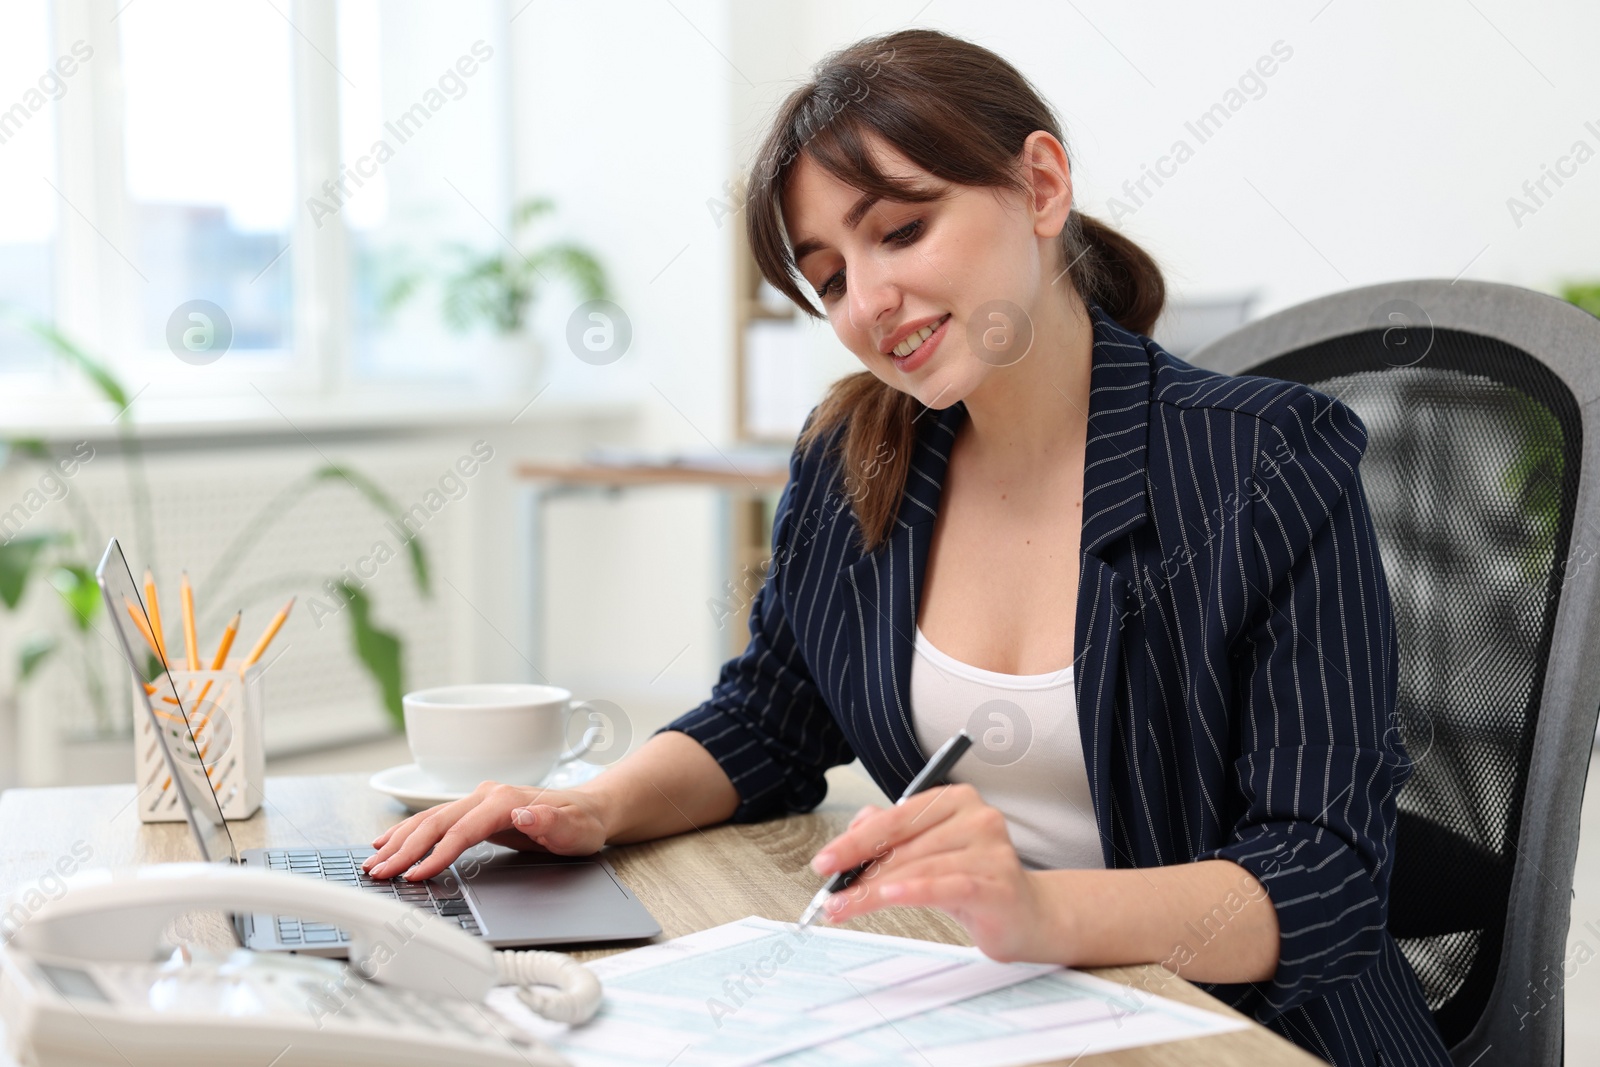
[(1235, 669)]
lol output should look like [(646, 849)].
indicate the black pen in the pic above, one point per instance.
[(931, 775)]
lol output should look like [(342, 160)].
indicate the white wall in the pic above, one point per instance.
[(1390, 139), (620, 113)]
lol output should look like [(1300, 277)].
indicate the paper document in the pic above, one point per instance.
[(1057, 1016), (749, 991)]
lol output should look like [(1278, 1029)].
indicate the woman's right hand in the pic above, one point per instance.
[(564, 821)]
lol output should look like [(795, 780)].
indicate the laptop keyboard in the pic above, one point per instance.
[(441, 895)]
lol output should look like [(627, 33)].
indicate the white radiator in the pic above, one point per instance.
[(316, 691)]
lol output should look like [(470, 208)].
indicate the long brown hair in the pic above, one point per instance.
[(962, 113)]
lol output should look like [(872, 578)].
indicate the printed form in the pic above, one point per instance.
[(758, 991), (1057, 1016)]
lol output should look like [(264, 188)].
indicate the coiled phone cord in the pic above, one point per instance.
[(576, 993)]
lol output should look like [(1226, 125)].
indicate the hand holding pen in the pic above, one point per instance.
[(947, 849), (931, 775)]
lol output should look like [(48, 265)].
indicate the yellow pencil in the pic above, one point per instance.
[(222, 654), (272, 631), (144, 627), (191, 644), (221, 657), (153, 606), (227, 642)]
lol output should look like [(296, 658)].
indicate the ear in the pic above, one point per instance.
[(1049, 173)]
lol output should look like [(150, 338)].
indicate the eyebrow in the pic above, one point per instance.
[(852, 219)]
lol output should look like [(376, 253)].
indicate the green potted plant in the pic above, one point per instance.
[(496, 290), (61, 557)]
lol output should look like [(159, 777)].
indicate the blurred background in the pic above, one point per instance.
[(276, 274)]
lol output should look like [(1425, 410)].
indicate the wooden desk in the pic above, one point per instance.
[(689, 882)]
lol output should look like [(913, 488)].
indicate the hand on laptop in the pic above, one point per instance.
[(563, 821)]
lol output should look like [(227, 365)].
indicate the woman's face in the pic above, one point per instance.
[(970, 265)]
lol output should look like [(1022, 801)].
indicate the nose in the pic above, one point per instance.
[(872, 295)]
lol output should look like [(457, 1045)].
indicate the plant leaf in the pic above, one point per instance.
[(1585, 295), (17, 558), (576, 263), (379, 651), (35, 650), (78, 588), (530, 209), (497, 289), (91, 368), (30, 446), (386, 504)]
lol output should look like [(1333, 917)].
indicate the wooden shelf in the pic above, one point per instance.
[(748, 308)]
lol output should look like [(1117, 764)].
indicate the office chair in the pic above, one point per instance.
[(1482, 471)]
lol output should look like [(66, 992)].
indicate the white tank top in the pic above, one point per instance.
[(1027, 754)]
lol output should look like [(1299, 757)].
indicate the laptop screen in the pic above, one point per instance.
[(125, 607)]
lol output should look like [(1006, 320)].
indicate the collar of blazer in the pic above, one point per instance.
[(880, 589)]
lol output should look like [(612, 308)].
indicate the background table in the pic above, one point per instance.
[(689, 882), (743, 483)]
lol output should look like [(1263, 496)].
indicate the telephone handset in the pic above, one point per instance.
[(78, 985)]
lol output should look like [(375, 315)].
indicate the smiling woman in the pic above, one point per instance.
[(1189, 765), (899, 95)]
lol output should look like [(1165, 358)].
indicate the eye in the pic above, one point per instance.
[(903, 236)]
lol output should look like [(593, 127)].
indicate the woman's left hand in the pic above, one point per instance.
[(945, 848)]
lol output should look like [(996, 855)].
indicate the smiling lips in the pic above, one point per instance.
[(912, 343), (922, 345)]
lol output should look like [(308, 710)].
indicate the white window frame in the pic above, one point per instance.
[(95, 287)]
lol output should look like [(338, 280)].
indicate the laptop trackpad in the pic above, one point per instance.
[(537, 897)]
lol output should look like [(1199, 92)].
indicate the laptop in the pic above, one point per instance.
[(508, 898)]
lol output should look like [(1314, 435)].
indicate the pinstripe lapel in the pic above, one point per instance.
[(1114, 505), (881, 590)]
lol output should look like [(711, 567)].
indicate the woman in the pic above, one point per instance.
[(1187, 762)]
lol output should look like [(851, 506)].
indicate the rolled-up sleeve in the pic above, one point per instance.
[(766, 723), (1319, 762)]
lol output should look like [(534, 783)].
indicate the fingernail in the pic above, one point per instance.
[(822, 862), (892, 892), (522, 816)]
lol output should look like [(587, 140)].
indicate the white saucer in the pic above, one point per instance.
[(416, 790)]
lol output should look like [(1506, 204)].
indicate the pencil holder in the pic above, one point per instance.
[(225, 710)]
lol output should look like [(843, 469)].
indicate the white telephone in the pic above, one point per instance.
[(82, 985)]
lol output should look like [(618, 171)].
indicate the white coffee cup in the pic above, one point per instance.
[(461, 735)]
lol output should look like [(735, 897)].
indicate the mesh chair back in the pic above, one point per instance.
[(1481, 474)]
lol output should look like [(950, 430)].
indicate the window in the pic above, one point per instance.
[(28, 86), (422, 133), (208, 161), (284, 160)]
